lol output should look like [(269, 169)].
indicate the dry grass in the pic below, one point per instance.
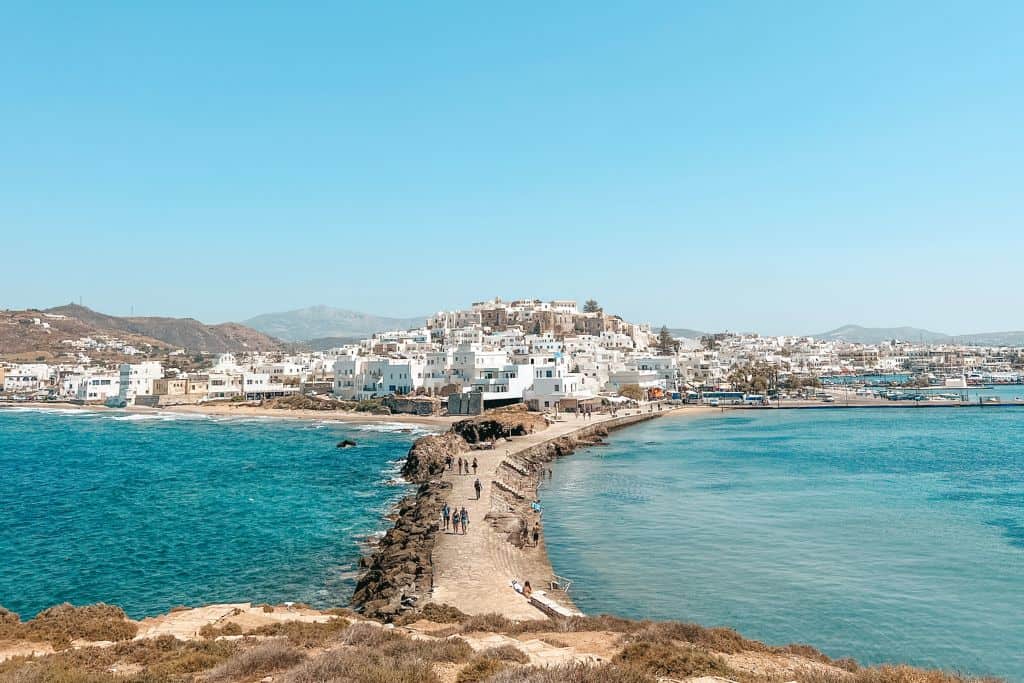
[(480, 669), (554, 642), (53, 672), (506, 653), (304, 633), (439, 614), (64, 623), (391, 644), (163, 659), (346, 665), (210, 631), (890, 674), (664, 659), (574, 673), (272, 655)]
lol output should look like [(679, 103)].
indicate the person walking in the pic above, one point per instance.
[(455, 521), (460, 464), (479, 487), (536, 534), (465, 519), (448, 462), (474, 464)]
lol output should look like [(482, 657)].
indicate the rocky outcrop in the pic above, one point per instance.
[(501, 423), (427, 456), (413, 405), (400, 574)]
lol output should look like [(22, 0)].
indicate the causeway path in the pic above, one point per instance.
[(473, 571)]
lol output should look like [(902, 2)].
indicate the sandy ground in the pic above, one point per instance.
[(473, 571)]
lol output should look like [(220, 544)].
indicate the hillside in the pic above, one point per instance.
[(317, 322), (31, 335), (684, 332), (178, 333), (875, 335)]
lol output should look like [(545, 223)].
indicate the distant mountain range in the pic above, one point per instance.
[(319, 322), (678, 332), (176, 333), (875, 335)]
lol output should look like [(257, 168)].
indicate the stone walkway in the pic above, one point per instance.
[(473, 571)]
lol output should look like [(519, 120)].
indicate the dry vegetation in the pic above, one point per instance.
[(61, 625), (354, 651)]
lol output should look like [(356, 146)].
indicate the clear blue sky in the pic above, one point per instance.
[(784, 167)]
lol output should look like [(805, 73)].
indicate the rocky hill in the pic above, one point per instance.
[(316, 322), (19, 332), (177, 333), (33, 335)]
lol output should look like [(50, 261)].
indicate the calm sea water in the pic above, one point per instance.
[(882, 534), (152, 511)]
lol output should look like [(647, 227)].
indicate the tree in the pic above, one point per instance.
[(666, 343), (591, 306), (632, 391)]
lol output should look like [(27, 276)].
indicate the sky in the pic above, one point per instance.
[(780, 167)]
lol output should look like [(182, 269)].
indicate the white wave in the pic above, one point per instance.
[(394, 428), (161, 417), (76, 412)]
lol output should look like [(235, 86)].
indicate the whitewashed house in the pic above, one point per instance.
[(98, 386), (554, 387), (137, 378)]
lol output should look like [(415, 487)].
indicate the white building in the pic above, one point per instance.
[(503, 385), (137, 379), (224, 384), (26, 377), (261, 385), (363, 377), (555, 387), (98, 386)]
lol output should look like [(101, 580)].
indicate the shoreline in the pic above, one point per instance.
[(225, 410)]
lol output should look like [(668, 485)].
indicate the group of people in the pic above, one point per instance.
[(457, 518), (463, 464)]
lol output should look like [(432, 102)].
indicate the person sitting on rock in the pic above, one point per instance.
[(527, 590)]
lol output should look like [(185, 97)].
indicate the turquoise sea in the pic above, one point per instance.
[(149, 511), (885, 534)]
